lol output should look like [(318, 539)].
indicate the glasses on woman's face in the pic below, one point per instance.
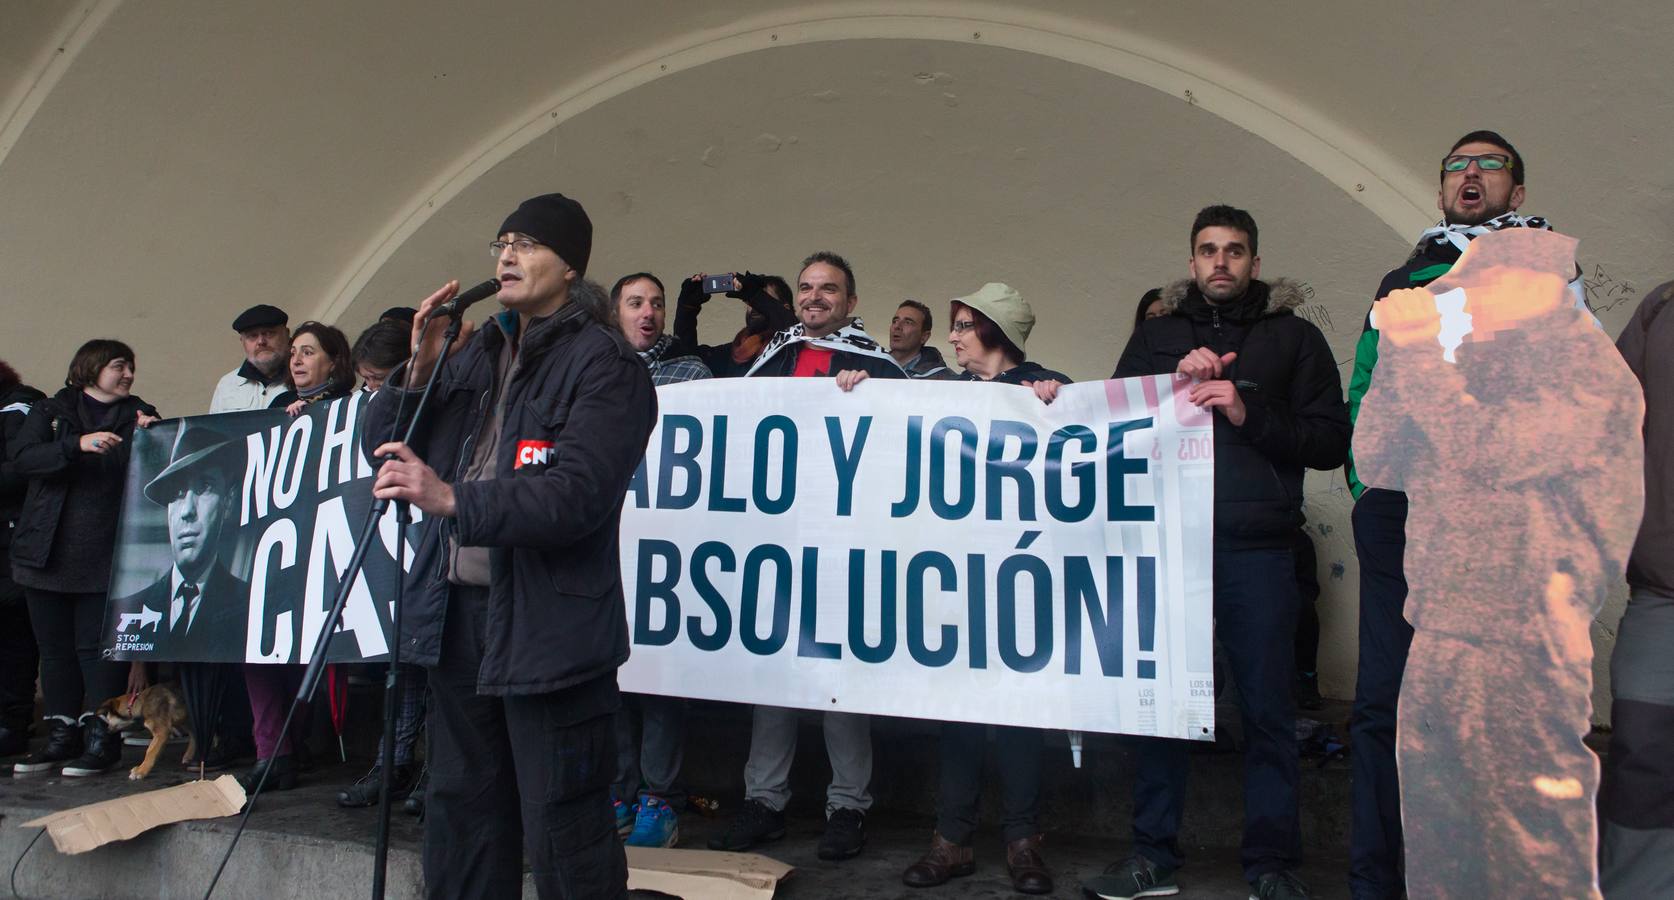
[(963, 325)]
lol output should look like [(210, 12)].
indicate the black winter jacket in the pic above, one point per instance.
[(578, 411), (1288, 379), (15, 404), (66, 530), (1022, 372)]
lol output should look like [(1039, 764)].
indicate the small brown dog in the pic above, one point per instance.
[(162, 709)]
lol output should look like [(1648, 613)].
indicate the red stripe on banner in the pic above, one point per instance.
[(1148, 387), (1116, 395)]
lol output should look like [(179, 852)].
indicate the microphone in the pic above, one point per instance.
[(464, 300)]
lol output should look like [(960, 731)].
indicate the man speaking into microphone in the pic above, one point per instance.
[(537, 422)]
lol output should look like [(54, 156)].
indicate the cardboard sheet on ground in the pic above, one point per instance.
[(704, 874), (83, 828), (1515, 433)]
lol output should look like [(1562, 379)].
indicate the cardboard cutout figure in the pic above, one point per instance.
[(1514, 428)]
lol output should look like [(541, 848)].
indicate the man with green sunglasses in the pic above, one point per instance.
[(1481, 179), (1481, 187)]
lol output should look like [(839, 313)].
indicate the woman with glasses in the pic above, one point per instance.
[(988, 333), (379, 349), (73, 448)]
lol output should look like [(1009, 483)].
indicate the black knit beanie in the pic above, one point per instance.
[(558, 222)]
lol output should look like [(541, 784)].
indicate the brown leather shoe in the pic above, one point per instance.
[(1027, 867), (945, 860)]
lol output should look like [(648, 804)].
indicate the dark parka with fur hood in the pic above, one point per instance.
[(1288, 379), (578, 410)]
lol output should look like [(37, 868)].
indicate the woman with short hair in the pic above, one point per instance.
[(379, 349), (989, 329), (321, 367), (73, 448)]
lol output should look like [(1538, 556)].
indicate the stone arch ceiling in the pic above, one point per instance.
[(165, 164), (206, 155)]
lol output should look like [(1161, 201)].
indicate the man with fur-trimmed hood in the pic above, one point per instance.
[(1269, 378)]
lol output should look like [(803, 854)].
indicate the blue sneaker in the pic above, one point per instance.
[(624, 816), (657, 825)]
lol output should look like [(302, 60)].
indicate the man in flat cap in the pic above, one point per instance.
[(521, 467), (196, 611), (261, 377)]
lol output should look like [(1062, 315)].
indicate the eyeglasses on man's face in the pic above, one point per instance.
[(1487, 162), (523, 246)]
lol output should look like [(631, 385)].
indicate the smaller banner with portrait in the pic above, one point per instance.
[(235, 529)]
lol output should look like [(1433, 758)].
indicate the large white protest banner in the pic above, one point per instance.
[(942, 550)]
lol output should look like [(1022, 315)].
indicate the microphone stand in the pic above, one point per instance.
[(392, 678), (316, 664)]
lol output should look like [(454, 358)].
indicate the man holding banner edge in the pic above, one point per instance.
[(542, 416), (1271, 380)]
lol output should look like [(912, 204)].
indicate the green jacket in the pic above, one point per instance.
[(1438, 249)]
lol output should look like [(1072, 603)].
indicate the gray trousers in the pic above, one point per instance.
[(848, 744), (1636, 801), (650, 746)]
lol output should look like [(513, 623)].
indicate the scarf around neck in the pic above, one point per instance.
[(1460, 237), (851, 338)]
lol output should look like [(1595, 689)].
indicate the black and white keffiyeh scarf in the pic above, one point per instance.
[(1460, 236), (851, 338)]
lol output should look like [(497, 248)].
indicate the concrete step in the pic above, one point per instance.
[(300, 846)]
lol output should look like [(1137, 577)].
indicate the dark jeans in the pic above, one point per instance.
[(19, 661), (514, 775), (1375, 847), (650, 746), (1255, 619), (1016, 757), (70, 631), (1307, 615)]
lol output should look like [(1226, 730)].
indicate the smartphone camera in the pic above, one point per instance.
[(718, 284)]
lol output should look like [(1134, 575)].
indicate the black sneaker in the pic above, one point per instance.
[(1131, 878), (845, 834), (1279, 886), (365, 791), (63, 745), (103, 751), (14, 741), (414, 804), (756, 823)]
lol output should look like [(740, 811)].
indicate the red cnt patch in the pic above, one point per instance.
[(533, 453)]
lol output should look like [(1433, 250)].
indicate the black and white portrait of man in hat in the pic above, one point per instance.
[(197, 609)]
